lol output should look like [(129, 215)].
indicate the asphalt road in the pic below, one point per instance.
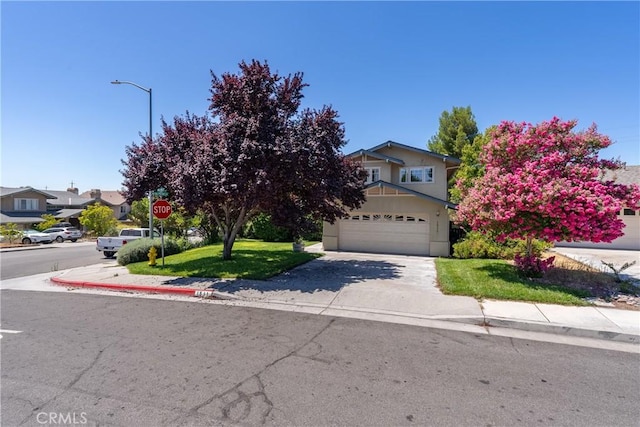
[(53, 257), (108, 360)]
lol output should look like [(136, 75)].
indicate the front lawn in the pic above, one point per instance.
[(497, 279), (250, 259)]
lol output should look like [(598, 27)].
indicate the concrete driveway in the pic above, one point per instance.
[(595, 256), (387, 284)]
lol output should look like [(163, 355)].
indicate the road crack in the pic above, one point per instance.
[(247, 401)]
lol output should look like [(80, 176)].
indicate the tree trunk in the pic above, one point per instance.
[(226, 247), (529, 248)]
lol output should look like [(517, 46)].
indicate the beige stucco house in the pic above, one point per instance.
[(406, 204), (113, 199)]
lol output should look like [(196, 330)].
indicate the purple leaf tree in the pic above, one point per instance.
[(255, 152)]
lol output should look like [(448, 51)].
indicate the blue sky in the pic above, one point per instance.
[(389, 68)]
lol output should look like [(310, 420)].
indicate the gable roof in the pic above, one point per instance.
[(8, 191), (376, 156), (406, 190), (390, 143), (67, 198), (111, 198)]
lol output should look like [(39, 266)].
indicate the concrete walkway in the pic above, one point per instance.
[(400, 289)]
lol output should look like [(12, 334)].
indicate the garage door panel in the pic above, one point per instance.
[(397, 237)]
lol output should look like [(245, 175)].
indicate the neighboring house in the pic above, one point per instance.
[(67, 205), (23, 206), (113, 199), (631, 238), (406, 204)]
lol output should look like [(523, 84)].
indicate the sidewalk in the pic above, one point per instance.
[(397, 289)]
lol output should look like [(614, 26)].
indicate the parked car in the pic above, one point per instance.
[(35, 236), (62, 224), (60, 234), (110, 245)]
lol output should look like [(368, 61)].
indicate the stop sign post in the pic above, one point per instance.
[(161, 210)]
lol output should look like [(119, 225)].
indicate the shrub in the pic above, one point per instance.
[(478, 245), (532, 266), (138, 250), (262, 228)]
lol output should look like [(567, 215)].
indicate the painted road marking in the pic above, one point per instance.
[(8, 331)]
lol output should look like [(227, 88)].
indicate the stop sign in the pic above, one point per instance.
[(161, 209)]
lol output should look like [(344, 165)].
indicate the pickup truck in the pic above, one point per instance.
[(110, 245)]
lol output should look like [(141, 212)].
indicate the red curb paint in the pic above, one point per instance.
[(115, 287)]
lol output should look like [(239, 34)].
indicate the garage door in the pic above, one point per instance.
[(385, 233)]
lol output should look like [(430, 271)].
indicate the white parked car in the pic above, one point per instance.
[(60, 234), (34, 236)]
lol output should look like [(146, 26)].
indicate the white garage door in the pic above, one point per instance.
[(385, 233)]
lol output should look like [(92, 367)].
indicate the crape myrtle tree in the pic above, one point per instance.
[(255, 152), (545, 182)]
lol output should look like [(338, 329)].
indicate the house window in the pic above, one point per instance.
[(413, 175), (123, 209), (630, 212), (26, 204), (373, 175)]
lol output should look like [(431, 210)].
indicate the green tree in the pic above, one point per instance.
[(140, 212), (471, 167), (176, 225), (98, 218), (457, 129), (9, 231), (49, 221)]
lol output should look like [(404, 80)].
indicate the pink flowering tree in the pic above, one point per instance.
[(546, 182)]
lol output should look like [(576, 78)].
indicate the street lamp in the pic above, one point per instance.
[(118, 82)]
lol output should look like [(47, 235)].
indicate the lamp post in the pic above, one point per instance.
[(118, 82)]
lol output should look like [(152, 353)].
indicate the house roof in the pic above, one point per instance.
[(111, 198), (68, 198), (8, 191), (21, 217), (390, 143), (627, 175), (67, 213), (402, 189), (377, 156)]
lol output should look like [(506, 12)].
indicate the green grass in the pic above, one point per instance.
[(250, 259), (497, 279)]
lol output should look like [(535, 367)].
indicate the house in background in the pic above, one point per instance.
[(405, 211), (23, 206), (631, 218), (113, 199), (67, 205)]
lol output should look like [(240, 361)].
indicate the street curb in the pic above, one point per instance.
[(141, 288), (485, 321), (608, 335)]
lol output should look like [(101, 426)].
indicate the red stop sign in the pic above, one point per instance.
[(161, 209)]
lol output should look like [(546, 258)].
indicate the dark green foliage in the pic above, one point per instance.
[(478, 245), (262, 228), (138, 250), (457, 129)]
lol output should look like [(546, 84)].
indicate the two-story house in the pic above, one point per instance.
[(406, 208), (23, 206)]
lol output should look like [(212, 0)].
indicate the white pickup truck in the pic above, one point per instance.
[(110, 245)]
